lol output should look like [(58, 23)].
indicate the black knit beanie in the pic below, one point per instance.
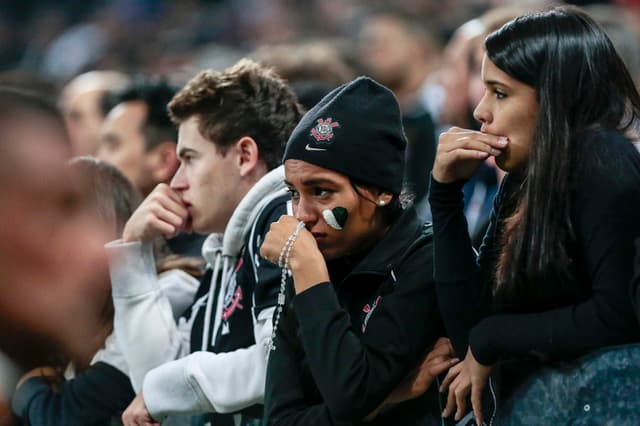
[(355, 130)]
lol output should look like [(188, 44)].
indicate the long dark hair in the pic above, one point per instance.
[(580, 83)]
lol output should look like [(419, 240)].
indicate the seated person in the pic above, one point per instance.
[(360, 311)]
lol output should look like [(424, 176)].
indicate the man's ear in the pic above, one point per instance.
[(247, 154), (163, 162)]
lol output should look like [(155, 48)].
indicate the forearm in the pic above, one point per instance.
[(356, 373), (93, 397), (462, 278), (207, 382), (558, 334), (143, 323)]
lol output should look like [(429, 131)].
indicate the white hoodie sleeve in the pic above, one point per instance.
[(144, 323), (208, 382)]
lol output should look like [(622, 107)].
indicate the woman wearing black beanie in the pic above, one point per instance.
[(359, 312)]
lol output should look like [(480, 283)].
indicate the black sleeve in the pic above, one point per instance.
[(265, 273), (635, 282), (605, 219), (356, 373), (463, 280), (285, 403), (92, 398)]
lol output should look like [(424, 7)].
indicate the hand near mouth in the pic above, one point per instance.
[(162, 213), (461, 152)]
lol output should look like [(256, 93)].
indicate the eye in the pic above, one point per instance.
[(294, 194), (110, 144), (499, 94), (321, 192)]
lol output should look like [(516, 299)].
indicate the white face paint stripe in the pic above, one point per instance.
[(331, 220), (393, 275)]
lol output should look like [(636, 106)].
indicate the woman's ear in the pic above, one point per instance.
[(384, 199)]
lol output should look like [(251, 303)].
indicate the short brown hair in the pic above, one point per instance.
[(244, 100)]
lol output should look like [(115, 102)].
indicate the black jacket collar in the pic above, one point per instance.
[(387, 252)]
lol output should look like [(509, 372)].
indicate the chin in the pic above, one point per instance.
[(328, 254)]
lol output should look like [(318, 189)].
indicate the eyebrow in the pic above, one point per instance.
[(109, 137), (313, 182), (495, 83)]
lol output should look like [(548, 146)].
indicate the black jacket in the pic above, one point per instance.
[(342, 348), (98, 394), (605, 201)]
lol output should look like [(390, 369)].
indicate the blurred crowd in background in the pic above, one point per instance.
[(78, 53), (58, 40)]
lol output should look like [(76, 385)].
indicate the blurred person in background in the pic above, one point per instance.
[(98, 387), (50, 242), (139, 138), (92, 388), (622, 29), (403, 52), (81, 103), (312, 69)]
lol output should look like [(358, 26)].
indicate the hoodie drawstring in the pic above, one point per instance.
[(207, 312)]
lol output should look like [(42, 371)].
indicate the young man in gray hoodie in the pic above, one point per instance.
[(232, 129)]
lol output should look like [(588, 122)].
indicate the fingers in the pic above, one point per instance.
[(451, 375), (460, 152), (451, 404), (457, 398), (461, 135), (441, 348), (461, 393), (169, 199), (279, 233), (476, 401), (442, 366), (162, 213), (469, 143)]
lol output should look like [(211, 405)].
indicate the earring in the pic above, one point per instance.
[(382, 203)]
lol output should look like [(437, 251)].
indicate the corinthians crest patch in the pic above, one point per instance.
[(323, 131)]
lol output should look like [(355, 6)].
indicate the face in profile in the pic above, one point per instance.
[(314, 189), (51, 246), (207, 180), (83, 118), (508, 108), (122, 143)]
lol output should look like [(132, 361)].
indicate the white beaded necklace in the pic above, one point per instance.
[(283, 262)]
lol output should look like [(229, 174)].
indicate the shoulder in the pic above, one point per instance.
[(606, 157), (269, 214), (272, 212), (606, 176)]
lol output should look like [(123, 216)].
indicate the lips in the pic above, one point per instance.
[(319, 236)]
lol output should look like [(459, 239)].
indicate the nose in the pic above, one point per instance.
[(482, 112), (179, 180), (304, 212)]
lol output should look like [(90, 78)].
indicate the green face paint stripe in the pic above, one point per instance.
[(341, 215), (336, 217)]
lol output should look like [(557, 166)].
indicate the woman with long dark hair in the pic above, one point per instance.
[(552, 277)]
